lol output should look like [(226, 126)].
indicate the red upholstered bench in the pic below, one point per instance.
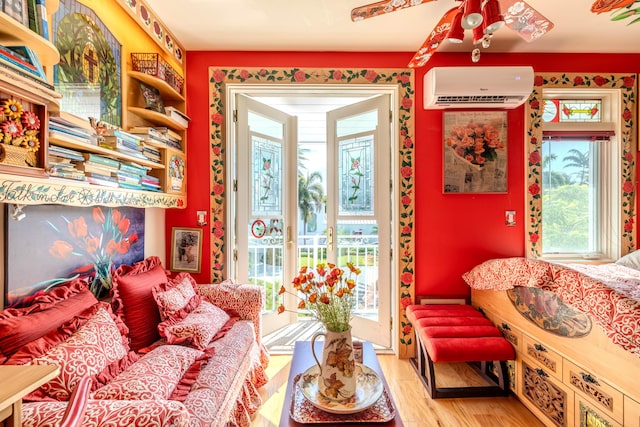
[(459, 333)]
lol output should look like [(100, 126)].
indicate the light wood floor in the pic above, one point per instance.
[(416, 408)]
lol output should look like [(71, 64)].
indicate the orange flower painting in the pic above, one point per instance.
[(54, 245)]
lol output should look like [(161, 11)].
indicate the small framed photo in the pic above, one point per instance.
[(186, 249)]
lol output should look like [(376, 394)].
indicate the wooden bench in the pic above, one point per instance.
[(459, 333)]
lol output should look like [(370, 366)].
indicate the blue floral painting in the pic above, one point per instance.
[(53, 245)]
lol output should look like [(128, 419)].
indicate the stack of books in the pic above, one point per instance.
[(100, 170), (151, 153), (123, 142), (158, 136), (64, 129), (150, 183), (63, 163), (130, 175)]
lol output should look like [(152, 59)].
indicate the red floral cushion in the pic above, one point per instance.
[(505, 273), (100, 413), (154, 376), (198, 327), (19, 326), (88, 351), (133, 299), (174, 296)]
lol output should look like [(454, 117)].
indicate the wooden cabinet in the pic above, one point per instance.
[(564, 381)]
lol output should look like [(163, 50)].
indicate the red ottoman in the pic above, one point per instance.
[(459, 333)]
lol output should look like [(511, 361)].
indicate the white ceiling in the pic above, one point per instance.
[(325, 25)]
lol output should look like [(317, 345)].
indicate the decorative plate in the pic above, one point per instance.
[(303, 412), (368, 391)]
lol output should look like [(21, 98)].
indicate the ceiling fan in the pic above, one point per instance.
[(482, 17)]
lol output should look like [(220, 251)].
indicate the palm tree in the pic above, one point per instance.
[(580, 160), (302, 158), (310, 196)]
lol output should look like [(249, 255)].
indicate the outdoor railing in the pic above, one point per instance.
[(266, 259)]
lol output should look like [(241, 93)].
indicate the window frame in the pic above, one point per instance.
[(623, 87)]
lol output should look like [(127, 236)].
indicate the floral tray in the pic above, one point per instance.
[(304, 412)]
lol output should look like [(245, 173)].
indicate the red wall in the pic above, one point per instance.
[(452, 232)]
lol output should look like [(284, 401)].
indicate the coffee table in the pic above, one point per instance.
[(303, 359)]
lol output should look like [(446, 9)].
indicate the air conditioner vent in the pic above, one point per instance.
[(478, 87), (472, 99)]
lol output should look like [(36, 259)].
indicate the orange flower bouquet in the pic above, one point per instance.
[(477, 143), (327, 294)]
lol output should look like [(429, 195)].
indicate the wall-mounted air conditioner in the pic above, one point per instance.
[(477, 87)]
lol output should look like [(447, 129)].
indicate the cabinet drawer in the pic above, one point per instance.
[(548, 395), (631, 412), (589, 415), (605, 398), (543, 356), (511, 333)]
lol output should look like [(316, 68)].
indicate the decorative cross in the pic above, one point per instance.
[(91, 63)]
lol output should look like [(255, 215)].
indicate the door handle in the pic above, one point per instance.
[(330, 238), (289, 241)]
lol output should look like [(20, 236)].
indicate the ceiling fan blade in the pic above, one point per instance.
[(435, 39), (524, 19), (382, 7)]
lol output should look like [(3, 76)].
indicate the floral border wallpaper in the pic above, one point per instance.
[(404, 78), (626, 83), (140, 11)]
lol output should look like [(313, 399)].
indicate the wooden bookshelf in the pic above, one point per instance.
[(13, 33)]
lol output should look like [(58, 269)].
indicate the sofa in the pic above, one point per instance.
[(164, 351)]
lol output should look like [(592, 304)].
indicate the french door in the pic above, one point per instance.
[(271, 240)]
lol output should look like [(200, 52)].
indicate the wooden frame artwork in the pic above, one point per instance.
[(475, 152), (186, 249)]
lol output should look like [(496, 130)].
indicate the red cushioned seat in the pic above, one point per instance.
[(469, 349), (452, 321), (418, 311), (459, 333)]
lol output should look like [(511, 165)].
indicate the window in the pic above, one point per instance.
[(580, 167)]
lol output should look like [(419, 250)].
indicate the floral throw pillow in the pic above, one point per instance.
[(197, 328), (173, 299), (88, 351)]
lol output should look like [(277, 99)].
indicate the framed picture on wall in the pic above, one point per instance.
[(475, 152), (186, 249)]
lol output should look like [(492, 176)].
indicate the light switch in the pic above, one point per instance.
[(201, 218), (510, 218)]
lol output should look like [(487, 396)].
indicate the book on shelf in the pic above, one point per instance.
[(24, 61), (91, 167), (41, 16), (75, 175), (151, 154), (105, 176), (157, 131), (65, 153), (68, 167), (101, 160), (177, 116), (58, 160), (66, 128), (127, 177), (34, 24), (133, 169), (103, 182)]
